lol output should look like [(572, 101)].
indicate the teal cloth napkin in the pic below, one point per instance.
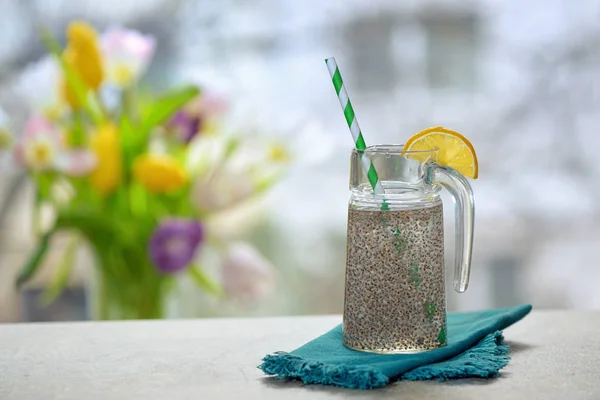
[(474, 349)]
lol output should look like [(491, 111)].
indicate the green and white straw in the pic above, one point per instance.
[(359, 141)]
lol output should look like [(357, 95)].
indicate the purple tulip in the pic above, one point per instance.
[(174, 243), (197, 116), (185, 125)]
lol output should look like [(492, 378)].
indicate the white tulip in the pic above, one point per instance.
[(247, 275), (224, 187)]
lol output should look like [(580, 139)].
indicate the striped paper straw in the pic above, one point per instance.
[(359, 141)]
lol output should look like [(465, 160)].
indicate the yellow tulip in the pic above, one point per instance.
[(105, 144), (83, 55), (159, 173)]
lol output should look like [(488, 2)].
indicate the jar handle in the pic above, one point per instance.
[(464, 208)]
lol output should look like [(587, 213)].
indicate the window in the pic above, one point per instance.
[(451, 50), (368, 40)]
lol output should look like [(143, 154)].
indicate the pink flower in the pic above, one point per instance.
[(247, 275), (39, 146), (42, 149), (127, 54), (211, 105)]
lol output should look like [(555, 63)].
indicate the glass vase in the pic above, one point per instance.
[(125, 287)]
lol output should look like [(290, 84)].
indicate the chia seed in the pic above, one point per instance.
[(395, 296)]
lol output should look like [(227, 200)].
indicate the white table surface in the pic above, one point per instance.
[(556, 355)]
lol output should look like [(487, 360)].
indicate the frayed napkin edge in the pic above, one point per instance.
[(285, 365), (484, 360)]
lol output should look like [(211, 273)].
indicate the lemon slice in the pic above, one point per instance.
[(454, 150)]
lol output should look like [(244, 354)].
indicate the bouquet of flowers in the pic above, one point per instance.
[(138, 176)]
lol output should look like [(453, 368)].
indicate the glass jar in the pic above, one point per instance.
[(394, 294)]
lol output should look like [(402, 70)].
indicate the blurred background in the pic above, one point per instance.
[(520, 79)]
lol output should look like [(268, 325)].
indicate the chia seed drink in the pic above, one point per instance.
[(395, 280), (395, 297)]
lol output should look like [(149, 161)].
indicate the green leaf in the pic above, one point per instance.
[(266, 181), (138, 200), (61, 277), (77, 136), (164, 107), (44, 186), (205, 282), (232, 145), (127, 132), (85, 220), (130, 145), (33, 263)]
